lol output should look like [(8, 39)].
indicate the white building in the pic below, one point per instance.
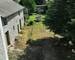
[(11, 22)]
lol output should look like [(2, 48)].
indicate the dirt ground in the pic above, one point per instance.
[(42, 46), (34, 32)]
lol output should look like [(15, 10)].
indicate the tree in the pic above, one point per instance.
[(71, 26), (30, 4), (40, 2), (71, 8), (57, 15)]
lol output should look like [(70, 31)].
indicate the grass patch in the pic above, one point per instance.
[(33, 17)]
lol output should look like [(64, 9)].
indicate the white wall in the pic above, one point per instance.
[(14, 22), (12, 33), (3, 48), (22, 18)]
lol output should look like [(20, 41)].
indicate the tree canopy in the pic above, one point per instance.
[(57, 15), (30, 4), (40, 2)]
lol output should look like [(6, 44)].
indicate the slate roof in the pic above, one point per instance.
[(8, 7)]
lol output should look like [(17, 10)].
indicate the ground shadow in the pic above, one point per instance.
[(47, 49)]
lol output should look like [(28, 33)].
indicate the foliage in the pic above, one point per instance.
[(40, 2), (30, 4), (33, 17), (71, 30), (57, 15), (71, 8), (30, 23)]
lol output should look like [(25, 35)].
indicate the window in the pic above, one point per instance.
[(4, 21), (18, 28), (13, 28), (20, 23), (19, 12), (7, 37)]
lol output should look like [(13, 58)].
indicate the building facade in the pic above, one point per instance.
[(11, 22), (13, 26)]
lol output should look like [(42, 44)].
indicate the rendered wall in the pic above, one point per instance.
[(3, 47)]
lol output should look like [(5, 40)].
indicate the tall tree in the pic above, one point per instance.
[(57, 15), (30, 4), (71, 26)]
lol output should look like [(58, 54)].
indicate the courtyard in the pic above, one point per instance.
[(37, 42)]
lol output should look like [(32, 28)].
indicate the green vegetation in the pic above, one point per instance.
[(30, 4), (57, 17), (59, 20), (33, 18), (40, 2), (70, 8)]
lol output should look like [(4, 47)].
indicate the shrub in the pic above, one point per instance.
[(30, 23)]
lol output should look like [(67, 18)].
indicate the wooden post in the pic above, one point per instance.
[(3, 47)]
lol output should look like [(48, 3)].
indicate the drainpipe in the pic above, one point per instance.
[(3, 46)]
